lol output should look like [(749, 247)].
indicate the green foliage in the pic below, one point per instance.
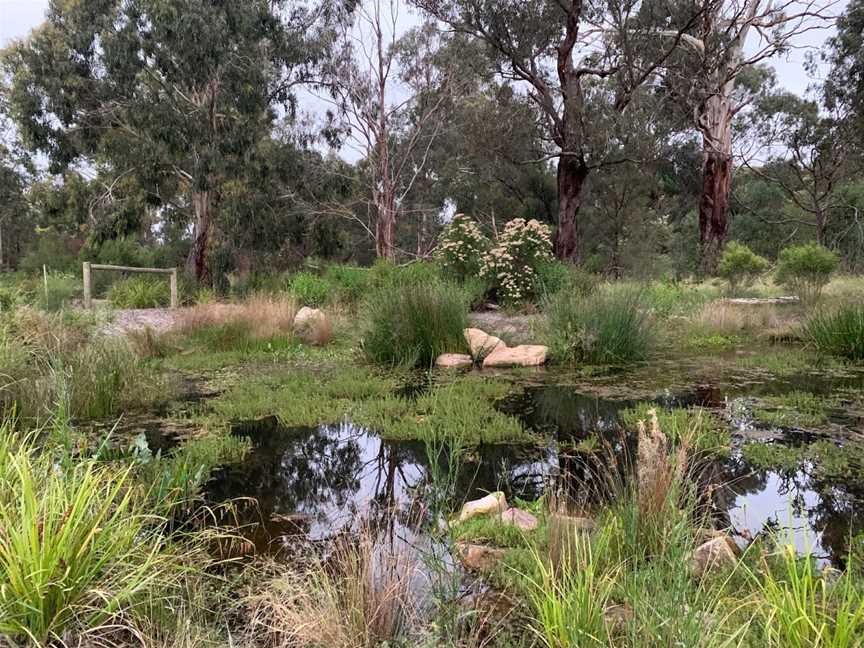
[(698, 427), (412, 324), (50, 251), (739, 265), (806, 269), (140, 292), (349, 283), (78, 548), (839, 333), (310, 289), (511, 266), (795, 409), (799, 607), (608, 327), (461, 248)]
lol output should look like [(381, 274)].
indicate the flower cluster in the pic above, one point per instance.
[(511, 266), (461, 247)]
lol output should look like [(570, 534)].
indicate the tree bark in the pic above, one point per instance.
[(571, 181), (714, 206), (385, 229), (196, 262)]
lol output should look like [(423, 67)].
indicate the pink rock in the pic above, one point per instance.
[(454, 360), (519, 518), (524, 355)]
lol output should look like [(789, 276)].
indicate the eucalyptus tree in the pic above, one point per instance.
[(175, 92), (581, 63), (716, 75)]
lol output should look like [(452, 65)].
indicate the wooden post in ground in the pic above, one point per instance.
[(175, 302), (88, 294)]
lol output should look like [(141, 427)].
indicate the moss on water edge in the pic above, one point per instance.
[(795, 409), (821, 459)]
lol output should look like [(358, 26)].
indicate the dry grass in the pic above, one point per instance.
[(725, 318), (264, 316), (360, 597), (660, 469)]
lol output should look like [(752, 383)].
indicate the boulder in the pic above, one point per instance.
[(519, 518), (717, 552), (454, 361), (481, 343), (493, 503), (479, 558), (312, 326), (524, 355)]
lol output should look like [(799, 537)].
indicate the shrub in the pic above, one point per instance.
[(414, 323), (806, 269), (839, 333), (608, 327), (739, 265), (309, 289), (461, 247), (511, 267), (348, 282), (140, 292)]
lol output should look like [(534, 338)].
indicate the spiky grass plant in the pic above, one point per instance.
[(78, 549), (411, 324), (839, 333)]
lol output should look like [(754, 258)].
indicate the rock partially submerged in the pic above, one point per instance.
[(481, 343), (524, 355), (454, 361), (492, 504)]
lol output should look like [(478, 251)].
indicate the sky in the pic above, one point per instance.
[(18, 17)]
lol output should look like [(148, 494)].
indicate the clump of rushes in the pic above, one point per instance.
[(412, 324), (78, 549), (139, 292), (607, 327), (839, 333)]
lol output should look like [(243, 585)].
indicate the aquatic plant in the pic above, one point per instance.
[(839, 333), (608, 327), (412, 324), (697, 427), (794, 409)]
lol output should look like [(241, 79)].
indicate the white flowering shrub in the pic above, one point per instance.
[(511, 266), (461, 247)]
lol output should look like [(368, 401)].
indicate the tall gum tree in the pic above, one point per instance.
[(731, 37), (582, 63), (176, 92)]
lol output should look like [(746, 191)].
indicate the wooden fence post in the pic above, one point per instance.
[(88, 293), (175, 302)]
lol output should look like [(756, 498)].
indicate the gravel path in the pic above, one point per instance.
[(158, 319)]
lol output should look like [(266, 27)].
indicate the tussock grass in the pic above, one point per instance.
[(140, 292), (727, 318), (839, 333), (261, 317), (411, 324), (79, 550), (612, 326)]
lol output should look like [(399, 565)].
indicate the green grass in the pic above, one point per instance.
[(139, 292), (795, 409), (607, 327), (839, 333), (411, 324), (78, 549), (825, 459), (697, 426)]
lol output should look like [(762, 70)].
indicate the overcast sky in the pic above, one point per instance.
[(17, 17)]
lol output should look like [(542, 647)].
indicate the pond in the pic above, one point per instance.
[(316, 483)]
